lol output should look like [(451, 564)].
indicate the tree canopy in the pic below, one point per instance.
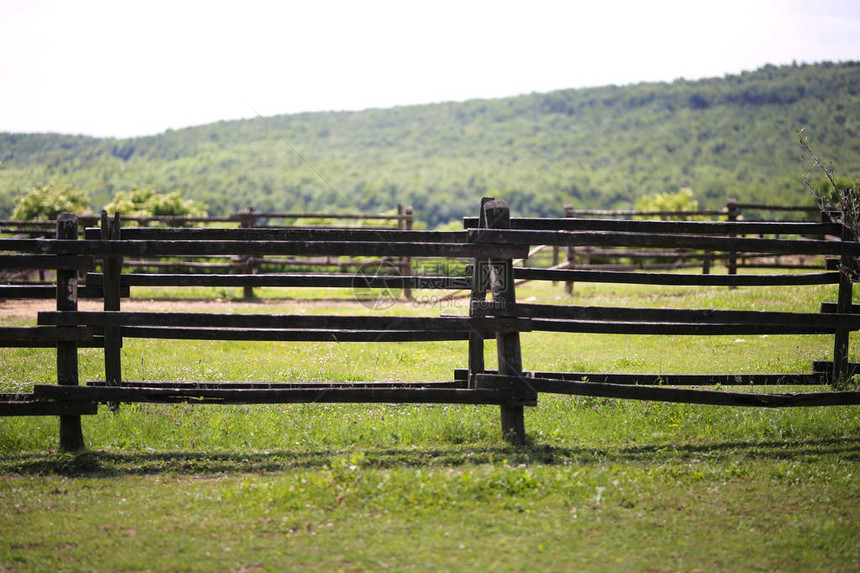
[(592, 148)]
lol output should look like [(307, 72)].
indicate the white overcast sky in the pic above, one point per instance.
[(125, 68)]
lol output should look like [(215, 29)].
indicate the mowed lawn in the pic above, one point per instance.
[(603, 485)]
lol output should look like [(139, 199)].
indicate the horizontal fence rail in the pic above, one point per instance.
[(668, 279), (727, 244), (292, 234), (672, 315), (290, 280), (375, 248), (663, 394), (415, 394), (670, 227), (669, 379)]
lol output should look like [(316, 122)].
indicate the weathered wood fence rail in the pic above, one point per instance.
[(493, 241)]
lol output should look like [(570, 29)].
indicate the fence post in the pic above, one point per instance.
[(571, 252), (501, 274), (405, 262), (706, 262), (112, 267), (71, 433), (248, 220), (844, 301), (732, 213), (480, 286)]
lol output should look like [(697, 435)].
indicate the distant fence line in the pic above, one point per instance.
[(732, 211), (493, 241), (588, 257), (626, 259), (249, 218)]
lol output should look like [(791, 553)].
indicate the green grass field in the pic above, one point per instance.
[(603, 485)]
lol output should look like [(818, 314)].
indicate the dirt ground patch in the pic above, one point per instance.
[(26, 310), (17, 310)]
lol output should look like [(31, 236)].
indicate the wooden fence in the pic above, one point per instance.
[(492, 241), (250, 264), (626, 258)]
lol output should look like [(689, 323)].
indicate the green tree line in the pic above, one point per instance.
[(593, 148)]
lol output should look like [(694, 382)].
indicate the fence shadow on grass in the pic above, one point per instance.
[(117, 464)]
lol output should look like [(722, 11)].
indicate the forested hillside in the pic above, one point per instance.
[(597, 148)]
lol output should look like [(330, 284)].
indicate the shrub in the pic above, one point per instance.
[(147, 203), (45, 202), (681, 201)]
